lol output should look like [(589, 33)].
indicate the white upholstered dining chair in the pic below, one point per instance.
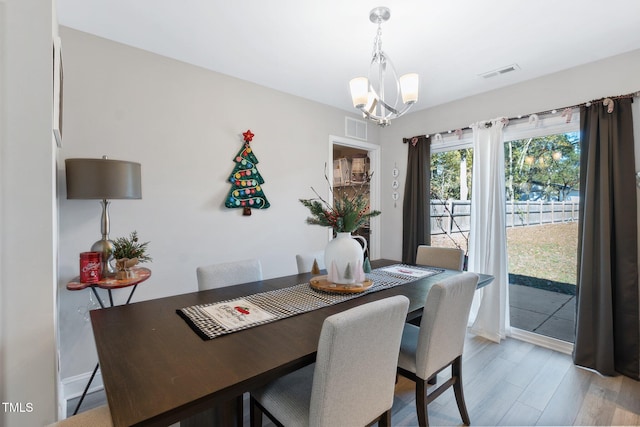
[(434, 256), (305, 261), (439, 341), (228, 273), (218, 276), (353, 379), (96, 417)]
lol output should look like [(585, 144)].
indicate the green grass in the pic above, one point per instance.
[(547, 252), (544, 251)]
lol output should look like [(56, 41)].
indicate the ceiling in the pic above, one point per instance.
[(313, 48)]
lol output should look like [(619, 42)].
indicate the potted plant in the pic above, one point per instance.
[(128, 251)]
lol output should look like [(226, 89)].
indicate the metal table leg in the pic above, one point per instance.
[(95, 370)]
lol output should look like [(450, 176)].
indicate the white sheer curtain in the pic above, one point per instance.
[(488, 237)]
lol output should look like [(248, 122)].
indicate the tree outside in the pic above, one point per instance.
[(545, 168), (447, 169)]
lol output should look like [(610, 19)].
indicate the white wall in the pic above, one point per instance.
[(184, 125), (614, 76), (27, 214)]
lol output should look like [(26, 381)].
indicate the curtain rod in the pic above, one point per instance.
[(540, 113)]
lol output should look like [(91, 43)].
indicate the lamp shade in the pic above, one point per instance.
[(359, 91), (103, 179), (409, 88)]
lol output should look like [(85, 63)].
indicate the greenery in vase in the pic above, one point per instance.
[(347, 213), (124, 247)]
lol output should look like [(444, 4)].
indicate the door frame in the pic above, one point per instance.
[(374, 185)]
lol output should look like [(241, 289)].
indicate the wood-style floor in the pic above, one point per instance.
[(520, 384)]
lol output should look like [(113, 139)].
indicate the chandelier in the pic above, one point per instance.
[(373, 95)]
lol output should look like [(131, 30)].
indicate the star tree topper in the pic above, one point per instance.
[(248, 136)]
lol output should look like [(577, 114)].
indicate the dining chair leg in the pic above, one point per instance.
[(385, 419), (255, 414), (456, 372), (421, 402)]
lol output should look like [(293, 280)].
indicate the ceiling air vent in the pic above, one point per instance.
[(503, 70)]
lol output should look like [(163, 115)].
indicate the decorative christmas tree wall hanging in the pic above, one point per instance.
[(246, 182)]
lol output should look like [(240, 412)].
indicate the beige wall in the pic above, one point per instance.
[(27, 215), (614, 76), (184, 125)]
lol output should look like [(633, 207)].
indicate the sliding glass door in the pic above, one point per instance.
[(542, 177)]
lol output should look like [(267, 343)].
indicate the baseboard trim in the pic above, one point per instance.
[(73, 387), (542, 341)]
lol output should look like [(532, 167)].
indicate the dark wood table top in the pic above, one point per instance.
[(156, 370)]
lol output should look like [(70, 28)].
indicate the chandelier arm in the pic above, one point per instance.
[(381, 121), (384, 64), (394, 112), (388, 107)]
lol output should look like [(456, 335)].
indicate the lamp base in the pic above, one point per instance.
[(105, 247)]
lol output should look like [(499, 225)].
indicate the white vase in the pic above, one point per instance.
[(343, 258)]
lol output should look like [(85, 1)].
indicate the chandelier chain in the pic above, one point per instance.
[(377, 42)]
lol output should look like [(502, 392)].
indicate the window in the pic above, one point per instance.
[(451, 198)]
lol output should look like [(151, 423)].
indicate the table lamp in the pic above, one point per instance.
[(103, 179)]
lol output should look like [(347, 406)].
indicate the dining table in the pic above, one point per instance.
[(157, 371)]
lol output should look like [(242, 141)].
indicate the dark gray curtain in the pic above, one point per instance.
[(607, 320), (416, 218)]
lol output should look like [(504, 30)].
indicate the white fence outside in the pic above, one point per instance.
[(453, 216)]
